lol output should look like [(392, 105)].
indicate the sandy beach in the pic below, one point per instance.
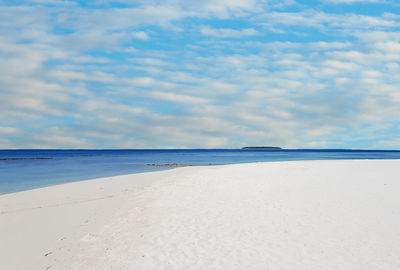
[(341, 214)]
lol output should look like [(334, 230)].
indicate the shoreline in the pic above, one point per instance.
[(171, 166), (174, 216)]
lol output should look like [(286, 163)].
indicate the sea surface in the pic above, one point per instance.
[(28, 169)]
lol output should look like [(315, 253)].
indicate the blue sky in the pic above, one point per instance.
[(200, 74)]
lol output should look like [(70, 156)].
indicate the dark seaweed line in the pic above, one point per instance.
[(4, 159)]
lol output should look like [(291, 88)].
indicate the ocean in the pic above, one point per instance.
[(28, 169)]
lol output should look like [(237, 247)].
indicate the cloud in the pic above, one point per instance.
[(8, 131), (328, 21), (218, 8), (50, 2), (141, 35), (228, 33), (390, 143), (159, 74), (354, 1), (177, 97)]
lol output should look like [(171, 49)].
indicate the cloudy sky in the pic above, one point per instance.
[(200, 74)]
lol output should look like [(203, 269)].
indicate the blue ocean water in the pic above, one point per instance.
[(27, 169)]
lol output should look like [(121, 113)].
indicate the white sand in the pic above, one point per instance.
[(279, 215)]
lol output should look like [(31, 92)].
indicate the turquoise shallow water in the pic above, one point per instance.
[(27, 169)]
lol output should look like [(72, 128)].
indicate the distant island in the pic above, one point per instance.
[(261, 148)]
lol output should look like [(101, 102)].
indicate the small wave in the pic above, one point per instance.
[(169, 165)]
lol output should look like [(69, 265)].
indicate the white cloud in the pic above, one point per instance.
[(141, 35), (341, 66), (51, 2), (218, 92), (320, 131), (390, 143), (373, 36), (354, 1), (327, 21), (317, 144), (228, 33), (49, 141), (323, 45), (388, 47), (140, 81), (180, 98), (8, 131)]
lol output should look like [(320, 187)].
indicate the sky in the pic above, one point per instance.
[(200, 74)]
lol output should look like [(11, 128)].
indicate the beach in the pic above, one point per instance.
[(337, 214)]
